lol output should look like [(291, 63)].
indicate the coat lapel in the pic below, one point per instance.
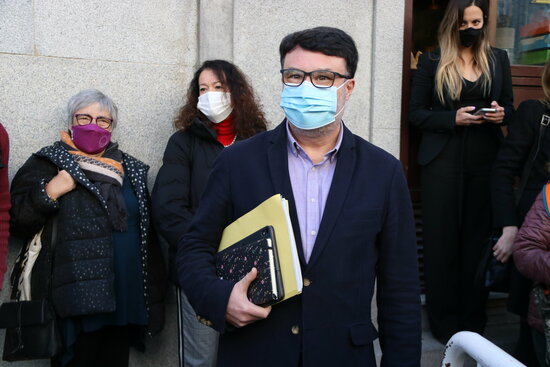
[(136, 172), (277, 157), (341, 180)]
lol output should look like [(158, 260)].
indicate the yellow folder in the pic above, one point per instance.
[(274, 212)]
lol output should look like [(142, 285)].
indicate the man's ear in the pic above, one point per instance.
[(349, 88)]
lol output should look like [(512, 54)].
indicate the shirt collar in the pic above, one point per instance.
[(295, 148)]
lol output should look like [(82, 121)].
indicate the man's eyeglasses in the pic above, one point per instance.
[(319, 78), (85, 119)]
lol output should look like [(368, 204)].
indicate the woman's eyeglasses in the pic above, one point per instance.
[(101, 121)]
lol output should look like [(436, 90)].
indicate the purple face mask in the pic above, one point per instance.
[(90, 138)]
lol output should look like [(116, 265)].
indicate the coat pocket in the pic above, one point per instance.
[(362, 333)]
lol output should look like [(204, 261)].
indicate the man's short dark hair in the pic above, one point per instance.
[(327, 40)]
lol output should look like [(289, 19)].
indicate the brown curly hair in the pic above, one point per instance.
[(248, 118)]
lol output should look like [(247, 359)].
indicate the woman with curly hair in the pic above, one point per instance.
[(220, 109)]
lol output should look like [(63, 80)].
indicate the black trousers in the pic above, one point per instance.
[(457, 223), (107, 347)]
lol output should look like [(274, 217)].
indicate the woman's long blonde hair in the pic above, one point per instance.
[(448, 79)]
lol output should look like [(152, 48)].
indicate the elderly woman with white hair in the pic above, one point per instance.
[(107, 278)]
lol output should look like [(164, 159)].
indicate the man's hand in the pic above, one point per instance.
[(240, 311)]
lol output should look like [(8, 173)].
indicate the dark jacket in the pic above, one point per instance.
[(83, 273), (511, 160), (366, 233), (437, 120), (186, 165), (532, 252), (509, 164)]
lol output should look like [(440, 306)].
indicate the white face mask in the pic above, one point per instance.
[(215, 105)]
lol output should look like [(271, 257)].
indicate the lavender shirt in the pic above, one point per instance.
[(310, 186)]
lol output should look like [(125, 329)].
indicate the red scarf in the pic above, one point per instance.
[(226, 134)]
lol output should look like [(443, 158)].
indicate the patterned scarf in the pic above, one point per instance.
[(107, 173)]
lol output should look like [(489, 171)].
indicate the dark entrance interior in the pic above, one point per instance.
[(422, 18)]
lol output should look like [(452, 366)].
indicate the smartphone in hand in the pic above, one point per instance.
[(483, 111)]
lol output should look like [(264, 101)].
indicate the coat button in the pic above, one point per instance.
[(307, 282), (295, 330)]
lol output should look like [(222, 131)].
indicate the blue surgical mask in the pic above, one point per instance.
[(308, 107)]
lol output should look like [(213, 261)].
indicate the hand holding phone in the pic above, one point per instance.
[(483, 111)]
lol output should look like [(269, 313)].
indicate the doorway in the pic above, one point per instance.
[(422, 18)]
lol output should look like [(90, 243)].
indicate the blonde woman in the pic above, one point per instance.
[(460, 140)]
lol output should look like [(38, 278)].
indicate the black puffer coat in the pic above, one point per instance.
[(83, 272), (186, 165)]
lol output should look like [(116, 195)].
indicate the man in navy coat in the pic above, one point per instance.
[(352, 221)]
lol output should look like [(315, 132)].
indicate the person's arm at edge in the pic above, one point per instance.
[(398, 288), (531, 255), (508, 164), (5, 203)]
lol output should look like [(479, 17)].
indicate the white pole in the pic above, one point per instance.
[(483, 351)]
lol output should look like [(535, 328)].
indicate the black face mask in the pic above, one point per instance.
[(469, 37)]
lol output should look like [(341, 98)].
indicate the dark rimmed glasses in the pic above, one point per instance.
[(319, 78), (101, 121)]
